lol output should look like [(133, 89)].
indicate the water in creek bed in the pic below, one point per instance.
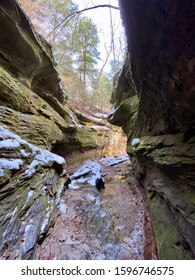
[(96, 225)]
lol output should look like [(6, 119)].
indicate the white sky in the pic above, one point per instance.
[(101, 17)]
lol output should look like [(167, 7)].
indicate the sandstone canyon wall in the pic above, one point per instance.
[(34, 118), (154, 100)]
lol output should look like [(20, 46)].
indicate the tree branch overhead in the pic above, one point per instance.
[(70, 16)]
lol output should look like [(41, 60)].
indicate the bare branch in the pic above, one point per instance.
[(108, 52), (70, 16), (64, 52), (69, 19)]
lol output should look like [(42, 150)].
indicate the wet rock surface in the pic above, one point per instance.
[(100, 224)]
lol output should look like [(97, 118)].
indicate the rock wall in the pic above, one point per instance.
[(154, 96), (34, 116), (30, 192), (33, 103)]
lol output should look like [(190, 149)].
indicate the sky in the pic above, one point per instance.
[(101, 17)]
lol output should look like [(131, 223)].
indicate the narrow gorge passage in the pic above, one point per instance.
[(100, 224), (46, 128)]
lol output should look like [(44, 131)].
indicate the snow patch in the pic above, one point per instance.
[(6, 134), (43, 157), (9, 144), (46, 156), (114, 160), (24, 153), (98, 127), (88, 167), (46, 221), (100, 115), (31, 168), (14, 211), (135, 141), (30, 194), (11, 164), (39, 156), (88, 174), (63, 208)]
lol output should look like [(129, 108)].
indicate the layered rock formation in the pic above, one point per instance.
[(32, 100), (30, 191), (154, 104), (34, 116), (31, 106), (33, 111)]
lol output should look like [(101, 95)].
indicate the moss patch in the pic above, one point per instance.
[(125, 111), (167, 235), (35, 129), (85, 139)]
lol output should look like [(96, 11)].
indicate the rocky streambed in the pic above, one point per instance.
[(111, 223)]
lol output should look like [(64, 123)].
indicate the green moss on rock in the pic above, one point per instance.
[(124, 112), (35, 129), (165, 227), (165, 149), (85, 139)]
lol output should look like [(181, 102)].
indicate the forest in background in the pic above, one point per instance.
[(75, 42)]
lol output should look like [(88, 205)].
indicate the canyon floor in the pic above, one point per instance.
[(108, 224)]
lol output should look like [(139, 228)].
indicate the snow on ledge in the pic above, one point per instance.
[(9, 144), (39, 156), (135, 142), (10, 164)]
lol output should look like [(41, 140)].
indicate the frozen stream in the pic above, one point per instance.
[(111, 224)]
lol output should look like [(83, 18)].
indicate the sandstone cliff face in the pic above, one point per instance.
[(154, 103), (33, 111), (32, 100), (34, 116), (31, 106)]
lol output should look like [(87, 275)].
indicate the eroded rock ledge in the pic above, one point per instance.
[(34, 115), (30, 192), (33, 103), (154, 98)]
